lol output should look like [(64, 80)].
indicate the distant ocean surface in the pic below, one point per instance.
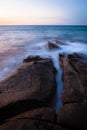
[(17, 42)]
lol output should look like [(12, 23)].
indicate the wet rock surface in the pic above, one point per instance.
[(73, 113), (59, 42), (52, 46), (33, 58)]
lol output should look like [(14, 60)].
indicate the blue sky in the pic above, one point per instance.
[(63, 12)]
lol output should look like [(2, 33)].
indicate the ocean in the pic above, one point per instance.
[(18, 42)]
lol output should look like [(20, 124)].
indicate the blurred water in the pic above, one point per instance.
[(17, 42)]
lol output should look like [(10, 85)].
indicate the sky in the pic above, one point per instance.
[(43, 12)]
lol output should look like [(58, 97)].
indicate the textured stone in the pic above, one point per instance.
[(52, 46), (32, 85), (73, 113), (30, 124), (44, 113)]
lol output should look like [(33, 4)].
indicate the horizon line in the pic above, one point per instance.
[(43, 24)]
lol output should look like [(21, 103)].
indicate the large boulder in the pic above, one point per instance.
[(73, 113), (32, 85), (79, 63), (74, 77), (52, 46), (72, 90)]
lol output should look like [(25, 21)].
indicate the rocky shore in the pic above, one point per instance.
[(26, 96), (73, 113)]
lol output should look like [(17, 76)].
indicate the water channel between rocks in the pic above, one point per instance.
[(54, 55), (59, 90)]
